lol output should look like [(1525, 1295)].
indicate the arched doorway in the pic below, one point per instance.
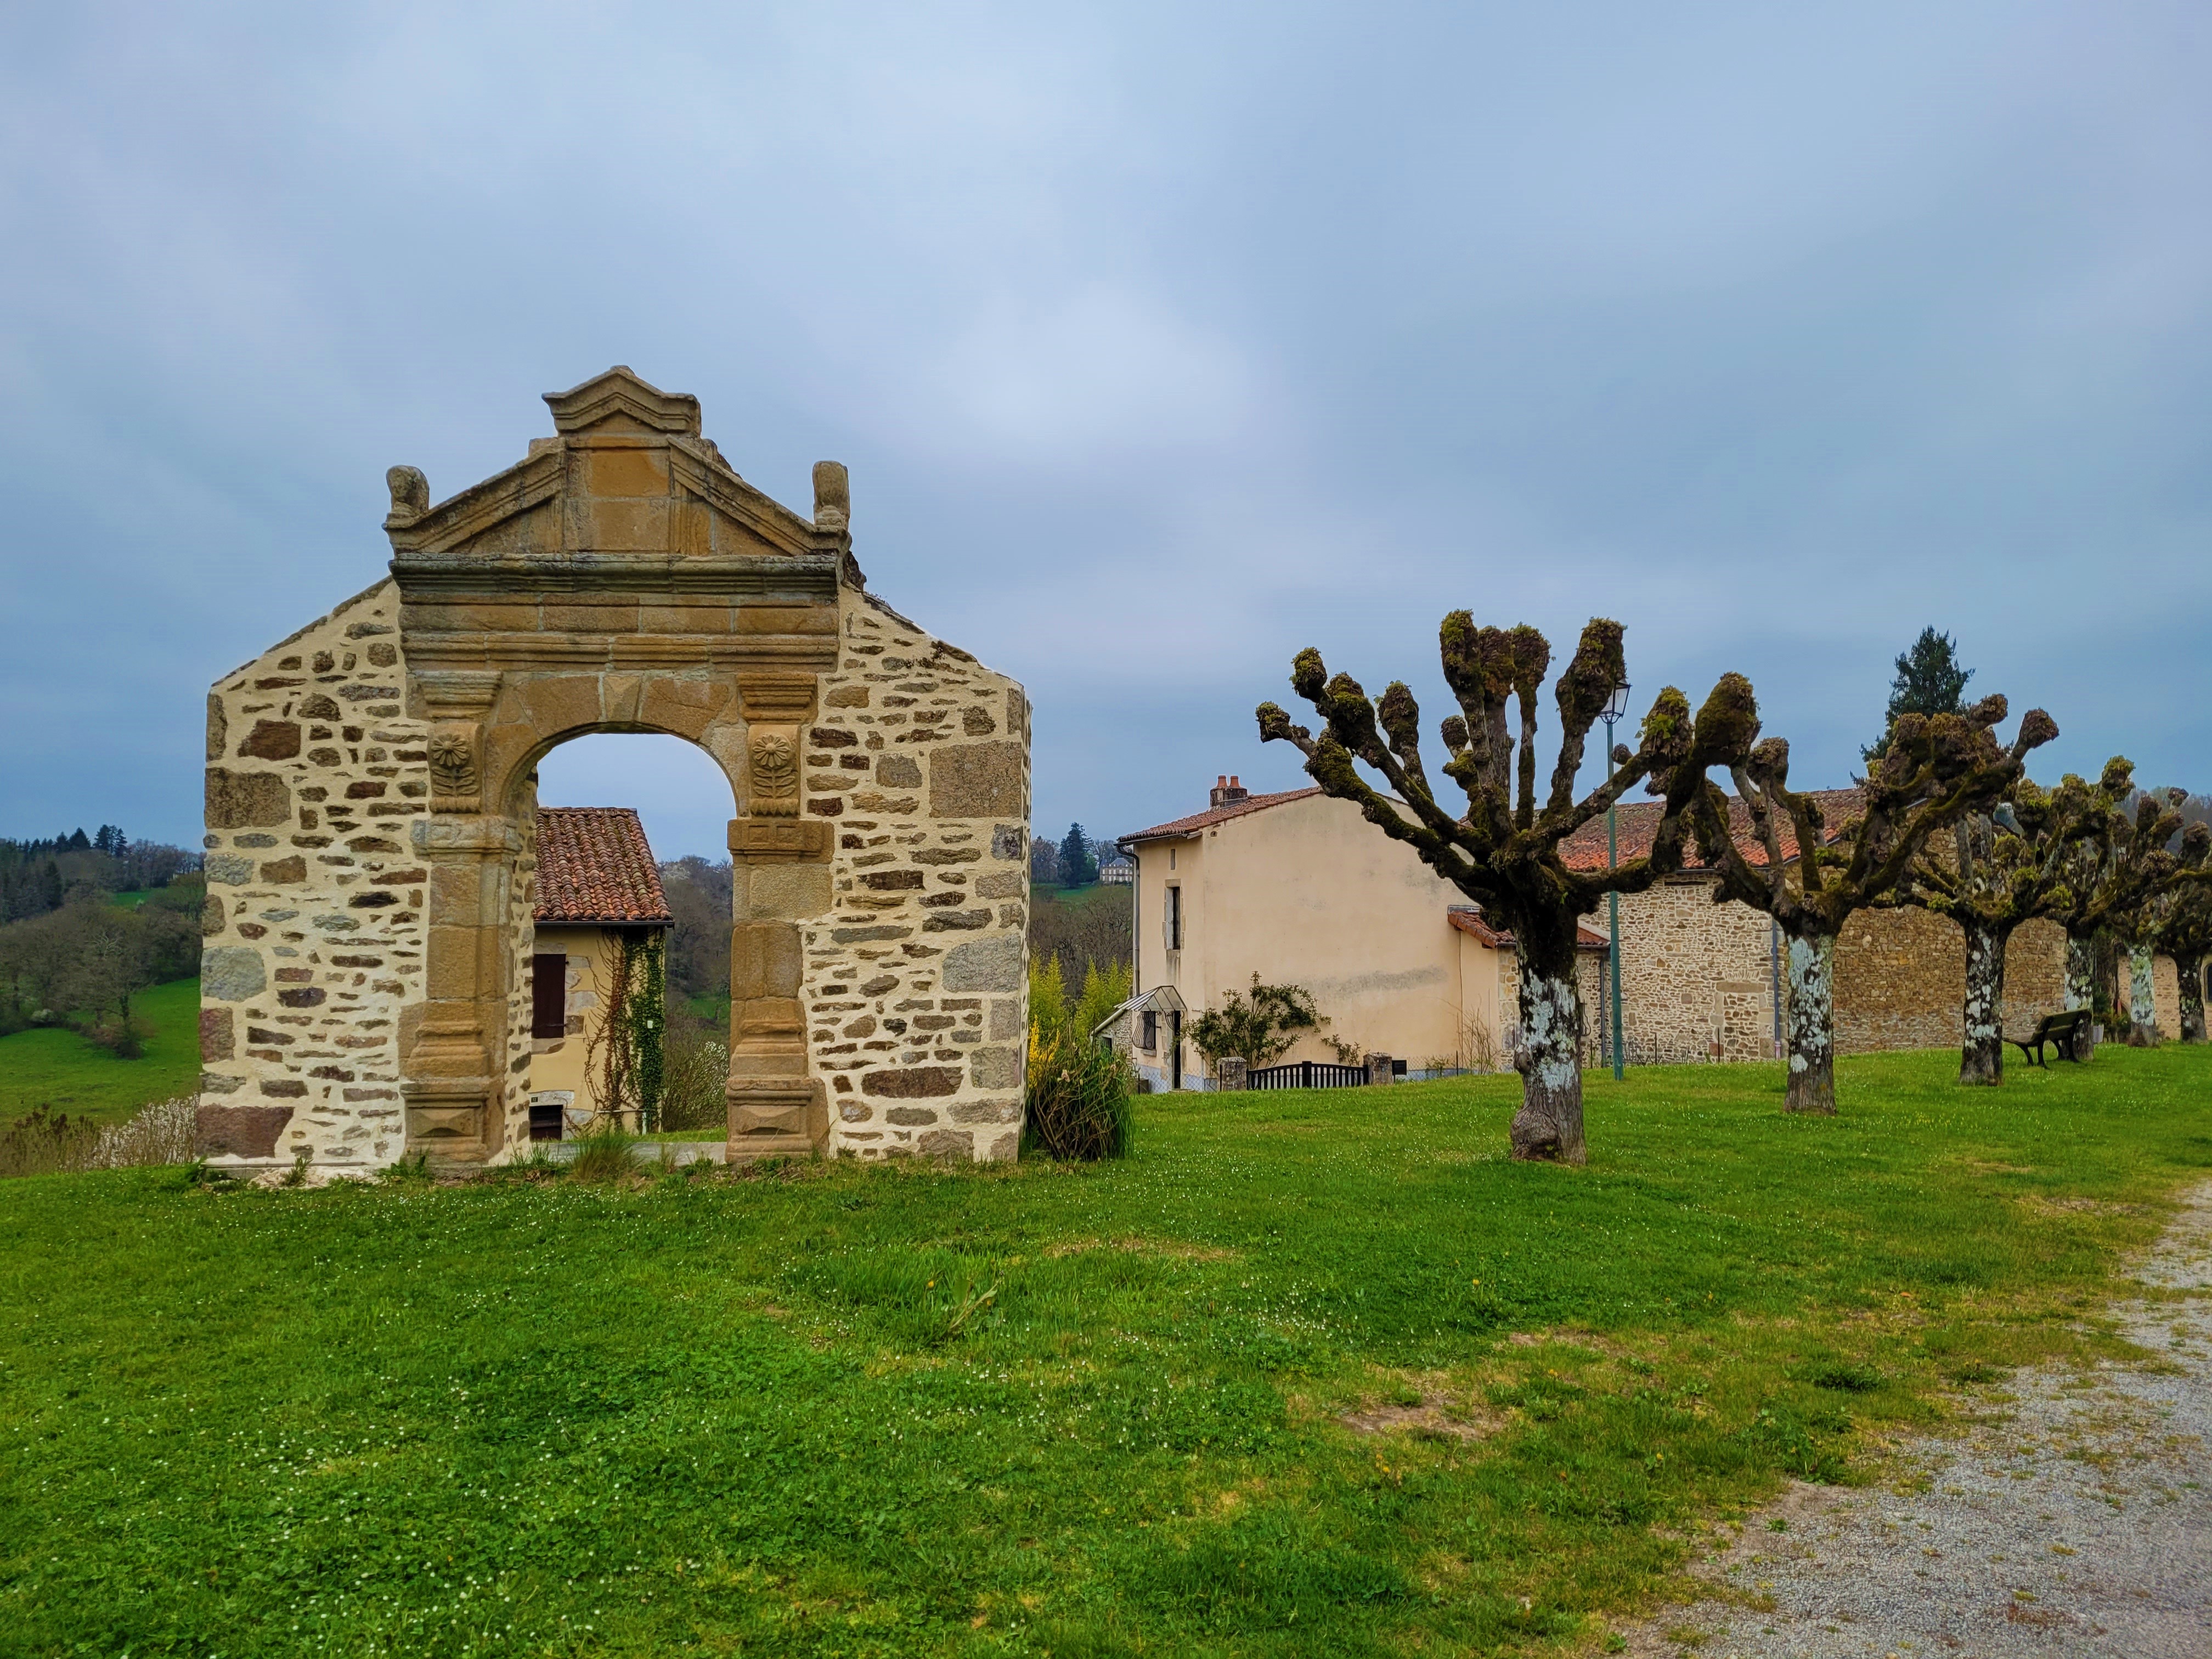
[(631, 890)]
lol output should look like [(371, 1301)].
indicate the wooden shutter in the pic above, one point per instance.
[(549, 996)]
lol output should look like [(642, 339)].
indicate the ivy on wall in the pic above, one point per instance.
[(627, 1052)]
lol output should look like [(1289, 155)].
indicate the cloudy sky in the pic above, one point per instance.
[(1161, 342)]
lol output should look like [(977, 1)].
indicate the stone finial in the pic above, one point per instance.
[(410, 495), (833, 495)]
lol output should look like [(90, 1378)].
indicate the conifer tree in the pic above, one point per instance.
[(1077, 867), (1929, 681)]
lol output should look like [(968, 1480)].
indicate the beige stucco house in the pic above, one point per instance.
[(1298, 889), (601, 918)]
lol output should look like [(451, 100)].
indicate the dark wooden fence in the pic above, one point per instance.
[(1307, 1074)]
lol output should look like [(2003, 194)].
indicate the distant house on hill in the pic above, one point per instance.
[(1298, 889), (602, 920), (1119, 871)]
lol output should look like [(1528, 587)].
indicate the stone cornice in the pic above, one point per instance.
[(810, 574)]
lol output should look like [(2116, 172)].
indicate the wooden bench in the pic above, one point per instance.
[(2060, 1031)]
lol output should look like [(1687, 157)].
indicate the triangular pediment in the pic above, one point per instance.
[(620, 400), (626, 472)]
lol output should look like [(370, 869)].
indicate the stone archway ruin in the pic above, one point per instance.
[(369, 813)]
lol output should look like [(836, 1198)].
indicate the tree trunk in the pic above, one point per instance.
[(1549, 1125), (2081, 992), (1812, 968), (2142, 999), (2190, 972), (1981, 1058)]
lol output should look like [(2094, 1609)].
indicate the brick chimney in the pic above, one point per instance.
[(1227, 790)]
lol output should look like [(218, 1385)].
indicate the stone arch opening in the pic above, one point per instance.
[(629, 968), (360, 984)]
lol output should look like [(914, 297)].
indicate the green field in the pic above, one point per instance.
[(58, 1068), (907, 1410), (1099, 892)]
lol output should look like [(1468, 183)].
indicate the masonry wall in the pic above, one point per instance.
[(2165, 996), (1695, 975), (314, 946), (1901, 979), (916, 982)]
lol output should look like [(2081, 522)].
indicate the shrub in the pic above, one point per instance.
[(694, 1093), (605, 1155), (48, 1142), (1078, 1087), (1260, 1027)]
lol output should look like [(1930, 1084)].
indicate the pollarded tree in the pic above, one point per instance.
[(2112, 874), (1936, 768), (2006, 867), (2184, 926), (1504, 852)]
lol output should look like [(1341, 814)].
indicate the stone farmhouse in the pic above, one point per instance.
[(1298, 889), (366, 984), (598, 912)]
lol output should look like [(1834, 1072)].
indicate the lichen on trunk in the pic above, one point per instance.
[(2142, 999), (2082, 990), (1812, 1016), (1549, 1125), (2190, 975), (1981, 1059)]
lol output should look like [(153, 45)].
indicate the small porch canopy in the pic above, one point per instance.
[(1160, 1000)]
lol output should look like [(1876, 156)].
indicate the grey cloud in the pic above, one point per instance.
[(1160, 343)]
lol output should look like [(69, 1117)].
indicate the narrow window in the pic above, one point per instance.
[(549, 996), (1149, 1030), (1172, 934)]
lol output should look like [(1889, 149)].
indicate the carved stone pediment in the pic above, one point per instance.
[(626, 472)]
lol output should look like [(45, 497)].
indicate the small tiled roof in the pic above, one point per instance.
[(1638, 821), (1468, 919), (1214, 815), (594, 865)]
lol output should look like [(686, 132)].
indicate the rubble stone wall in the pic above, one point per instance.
[(314, 948), (1693, 974), (1901, 979), (916, 979)]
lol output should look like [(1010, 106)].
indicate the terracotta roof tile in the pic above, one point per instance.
[(594, 865), (1214, 815), (1468, 918), (1639, 822)]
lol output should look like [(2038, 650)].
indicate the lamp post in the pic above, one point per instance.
[(1615, 707)]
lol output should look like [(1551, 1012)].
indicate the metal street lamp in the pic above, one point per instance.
[(1615, 707)]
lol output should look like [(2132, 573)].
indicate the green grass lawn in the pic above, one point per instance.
[(906, 1410), (60, 1069)]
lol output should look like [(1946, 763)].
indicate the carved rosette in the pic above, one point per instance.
[(773, 751), (453, 765), (776, 708), (456, 702)]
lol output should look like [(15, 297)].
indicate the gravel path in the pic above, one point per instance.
[(2076, 1522)]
